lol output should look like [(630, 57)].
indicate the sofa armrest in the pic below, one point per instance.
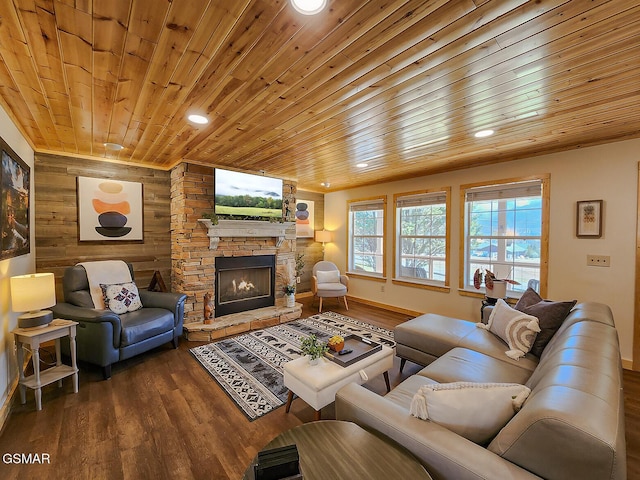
[(167, 300), (443, 453), (89, 315)]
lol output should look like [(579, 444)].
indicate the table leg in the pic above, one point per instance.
[(72, 345), (289, 400), (386, 380), (58, 359), (20, 355), (36, 371)]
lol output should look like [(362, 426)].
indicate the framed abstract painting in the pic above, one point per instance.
[(109, 210), (589, 219), (304, 218), (14, 204)]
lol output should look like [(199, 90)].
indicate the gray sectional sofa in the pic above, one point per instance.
[(571, 426)]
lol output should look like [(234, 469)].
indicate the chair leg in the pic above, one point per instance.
[(106, 372), (320, 309), (175, 341), (345, 302)]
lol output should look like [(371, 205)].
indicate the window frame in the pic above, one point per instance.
[(429, 284), (350, 249), (544, 180)]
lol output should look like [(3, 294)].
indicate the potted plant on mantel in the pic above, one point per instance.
[(495, 288), (313, 348)]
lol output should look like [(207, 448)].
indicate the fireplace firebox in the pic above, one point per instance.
[(244, 283)]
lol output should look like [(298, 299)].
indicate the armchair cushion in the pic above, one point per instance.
[(121, 297), (143, 324)]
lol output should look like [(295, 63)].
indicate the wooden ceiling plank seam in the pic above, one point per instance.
[(180, 101), (479, 16), (520, 89), (169, 47), (109, 27), (343, 23), (16, 53), (182, 107)]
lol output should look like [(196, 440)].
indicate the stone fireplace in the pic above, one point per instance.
[(197, 244), (244, 283)]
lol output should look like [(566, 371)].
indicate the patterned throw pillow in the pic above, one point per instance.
[(550, 316), (121, 297), (476, 411), (516, 329)]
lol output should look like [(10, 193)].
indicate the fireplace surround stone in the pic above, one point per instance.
[(193, 260)]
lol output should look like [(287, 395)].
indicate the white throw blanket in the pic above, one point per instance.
[(106, 272)]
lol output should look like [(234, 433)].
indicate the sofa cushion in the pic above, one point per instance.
[(145, 323), (518, 330), (464, 365), (476, 411), (550, 316), (121, 297), (433, 334)]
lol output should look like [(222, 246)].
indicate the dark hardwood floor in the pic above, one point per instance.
[(161, 416)]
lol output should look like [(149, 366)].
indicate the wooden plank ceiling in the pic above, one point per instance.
[(401, 85)]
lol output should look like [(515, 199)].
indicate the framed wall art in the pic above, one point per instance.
[(304, 218), (589, 219), (109, 210), (14, 204)]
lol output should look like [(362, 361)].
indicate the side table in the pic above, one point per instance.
[(34, 337)]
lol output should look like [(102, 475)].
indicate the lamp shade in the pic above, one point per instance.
[(323, 236), (31, 293)]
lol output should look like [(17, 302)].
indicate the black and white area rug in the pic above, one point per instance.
[(249, 366)]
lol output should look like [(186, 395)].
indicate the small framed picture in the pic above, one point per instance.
[(589, 219)]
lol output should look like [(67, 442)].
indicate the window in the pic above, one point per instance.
[(505, 231), (366, 232), (422, 226)]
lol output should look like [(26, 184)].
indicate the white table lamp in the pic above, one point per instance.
[(31, 293)]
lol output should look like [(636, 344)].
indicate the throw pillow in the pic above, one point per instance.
[(121, 297), (515, 328), (328, 276), (550, 316), (476, 411)]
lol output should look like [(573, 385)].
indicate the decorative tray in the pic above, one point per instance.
[(361, 348)]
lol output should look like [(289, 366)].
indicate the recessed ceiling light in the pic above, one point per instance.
[(484, 133), (113, 146), (199, 119), (362, 165), (325, 184), (309, 7)]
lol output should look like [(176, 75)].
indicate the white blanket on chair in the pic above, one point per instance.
[(106, 272)]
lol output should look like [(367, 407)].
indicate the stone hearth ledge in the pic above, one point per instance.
[(235, 323)]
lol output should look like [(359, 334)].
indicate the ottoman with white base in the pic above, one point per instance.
[(317, 384)]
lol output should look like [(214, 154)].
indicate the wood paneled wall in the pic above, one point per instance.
[(56, 214), (311, 249)]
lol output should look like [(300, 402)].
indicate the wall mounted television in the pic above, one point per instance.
[(247, 195)]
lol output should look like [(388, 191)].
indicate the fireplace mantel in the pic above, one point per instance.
[(248, 228)]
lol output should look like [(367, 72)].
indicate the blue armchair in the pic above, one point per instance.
[(104, 337)]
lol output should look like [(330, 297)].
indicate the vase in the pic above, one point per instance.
[(291, 300), (314, 361)]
